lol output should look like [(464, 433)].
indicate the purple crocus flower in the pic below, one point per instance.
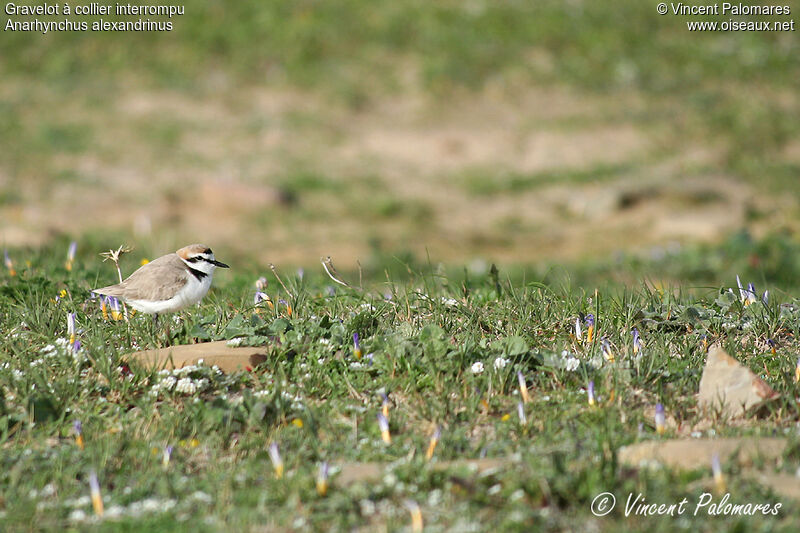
[(637, 343), (660, 419)]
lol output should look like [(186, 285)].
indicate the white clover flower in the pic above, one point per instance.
[(500, 362), (200, 496), (572, 364), (114, 511), (48, 350), (477, 367), (188, 369), (235, 342), (186, 386), (167, 383), (77, 515), (367, 507), (449, 302)]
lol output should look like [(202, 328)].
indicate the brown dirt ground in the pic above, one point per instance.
[(173, 169)]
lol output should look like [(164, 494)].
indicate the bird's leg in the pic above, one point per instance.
[(168, 331), (155, 330)]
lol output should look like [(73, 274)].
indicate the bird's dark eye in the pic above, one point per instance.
[(195, 259), (208, 251)]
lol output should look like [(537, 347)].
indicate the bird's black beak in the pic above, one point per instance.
[(219, 264)]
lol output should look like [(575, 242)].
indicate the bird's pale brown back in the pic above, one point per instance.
[(158, 280)]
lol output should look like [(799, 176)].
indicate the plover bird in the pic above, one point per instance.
[(169, 283)]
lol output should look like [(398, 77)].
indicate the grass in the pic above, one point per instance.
[(188, 103), (424, 336), (385, 116), (729, 88)]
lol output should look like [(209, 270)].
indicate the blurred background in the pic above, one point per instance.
[(466, 132)]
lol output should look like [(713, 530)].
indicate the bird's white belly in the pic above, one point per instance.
[(190, 294)]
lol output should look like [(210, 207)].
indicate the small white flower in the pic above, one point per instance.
[(200, 496), (500, 362), (167, 383), (48, 350), (435, 498), (188, 369), (186, 385), (114, 511), (367, 507), (572, 364), (477, 367)]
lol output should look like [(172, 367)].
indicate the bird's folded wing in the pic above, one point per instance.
[(158, 280)]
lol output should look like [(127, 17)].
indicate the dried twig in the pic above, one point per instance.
[(275, 272), (114, 255), (330, 270)]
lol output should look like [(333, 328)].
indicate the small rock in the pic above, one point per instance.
[(729, 386), (696, 453), (227, 358)]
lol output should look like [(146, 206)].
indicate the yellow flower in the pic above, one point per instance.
[(277, 462), (322, 479), (383, 424), (432, 444)]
